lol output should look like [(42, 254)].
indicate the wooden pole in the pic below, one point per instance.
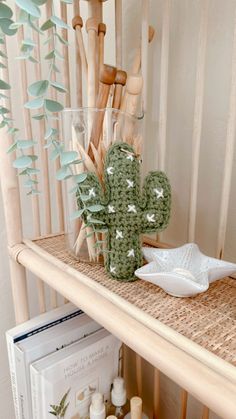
[(137, 59), (12, 211), (107, 78), (164, 85), (197, 119), (78, 72), (229, 155), (65, 53), (77, 24), (156, 394), (101, 34), (92, 30), (136, 405), (118, 25), (139, 380), (205, 412), (120, 81), (144, 51), (183, 401)]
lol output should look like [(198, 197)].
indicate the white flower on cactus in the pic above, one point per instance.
[(113, 269), (130, 253), (130, 183), (130, 157), (119, 234), (151, 218), (110, 170), (92, 192), (111, 209), (131, 208), (159, 193)]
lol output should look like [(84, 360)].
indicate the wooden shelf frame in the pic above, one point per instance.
[(207, 377)]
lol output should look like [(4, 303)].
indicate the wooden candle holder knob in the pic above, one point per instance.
[(134, 84), (92, 24), (121, 77), (102, 28), (107, 75), (77, 21)]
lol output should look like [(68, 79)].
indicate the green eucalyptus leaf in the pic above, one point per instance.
[(29, 42), (3, 124), (61, 39), (95, 221), (30, 182), (5, 11), (80, 178), (58, 55), (85, 198), (54, 155), (2, 65), (48, 133), (22, 162), (62, 173), (38, 88), (68, 157), (12, 130), (34, 27), (12, 148), (77, 214), (33, 157), (29, 171), (33, 60), (4, 85), (23, 144), (47, 25), (5, 25), (55, 68), (96, 208), (3, 110), (35, 103), (39, 116), (2, 54), (59, 22), (50, 55), (39, 2), (29, 7), (67, 1), (74, 189), (16, 25), (53, 105)]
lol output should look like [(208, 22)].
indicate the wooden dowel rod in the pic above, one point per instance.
[(118, 25), (156, 394), (92, 30), (12, 212), (137, 60), (28, 132), (59, 198), (78, 63), (197, 118), (29, 135), (95, 9), (136, 405), (43, 150), (101, 35), (65, 53), (120, 81), (77, 24), (229, 155), (139, 374), (164, 85), (107, 78), (183, 404), (144, 51), (205, 412)]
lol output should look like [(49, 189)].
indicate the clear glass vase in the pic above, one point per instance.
[(105, 127)]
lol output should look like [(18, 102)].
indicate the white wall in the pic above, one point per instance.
[(182, 71)]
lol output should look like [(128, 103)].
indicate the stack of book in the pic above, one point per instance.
[(57, 361)]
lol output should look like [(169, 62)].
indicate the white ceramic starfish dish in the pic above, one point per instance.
[(183, 271)]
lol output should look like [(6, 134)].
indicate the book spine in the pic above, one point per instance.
[(22, 390), (12, 367), (35, 379)]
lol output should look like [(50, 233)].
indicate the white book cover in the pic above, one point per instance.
[(36, 338), (81, 369)]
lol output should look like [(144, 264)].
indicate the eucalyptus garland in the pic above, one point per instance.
[(41, 103), (43, 106)]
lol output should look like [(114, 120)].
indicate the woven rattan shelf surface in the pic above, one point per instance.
[(208, 319)]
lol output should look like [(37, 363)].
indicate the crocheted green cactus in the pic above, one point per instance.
[(127, 212)]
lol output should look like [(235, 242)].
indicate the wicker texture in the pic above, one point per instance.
[(208, 319)]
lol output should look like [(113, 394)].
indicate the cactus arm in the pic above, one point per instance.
[(156, 202)]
